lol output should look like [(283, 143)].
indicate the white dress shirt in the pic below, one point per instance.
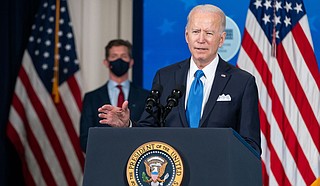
[(207, 80), (114, 91)]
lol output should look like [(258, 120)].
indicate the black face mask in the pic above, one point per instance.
[(119, 67)]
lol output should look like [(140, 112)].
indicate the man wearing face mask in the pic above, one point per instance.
[(118, 59)]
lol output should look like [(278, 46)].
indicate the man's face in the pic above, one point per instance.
[(117, 52), (203, 36)]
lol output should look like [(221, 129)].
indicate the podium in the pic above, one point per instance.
[(210, 156)]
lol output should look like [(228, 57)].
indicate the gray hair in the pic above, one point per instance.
[(212, 9)]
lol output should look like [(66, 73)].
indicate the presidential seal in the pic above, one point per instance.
[(154, 163)]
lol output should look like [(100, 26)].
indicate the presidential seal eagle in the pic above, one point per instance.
[(155, 168)]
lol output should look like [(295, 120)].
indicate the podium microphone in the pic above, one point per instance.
[(153, 98), (172, 101)]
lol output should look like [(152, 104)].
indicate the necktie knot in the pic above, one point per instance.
[(198, 74), (119, 87)]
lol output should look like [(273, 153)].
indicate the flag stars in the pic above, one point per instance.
[(43, 16), (51, 19), (46, 55), (53, 7), (61, 21), (66, 59), (166, 27), (48, 43), (40, 28), (298, 8), (287, 21), (288, 6), (60, 33), (49, 31), (266, 19), (65, 71), (44, 66), (277, 20), (267, 4), (39, 40), (45, 4), (277, 34), (31, 39), (63, 9), (36, 52), (68, 47), (69, 35), (258, 3), (278, 5), (33, 27)]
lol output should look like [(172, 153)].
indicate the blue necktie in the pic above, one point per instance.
[(194, 103)]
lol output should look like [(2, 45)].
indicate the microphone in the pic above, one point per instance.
[(153, 98), (172, 101)]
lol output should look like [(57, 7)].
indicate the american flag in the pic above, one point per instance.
[(277, 49), (44, 115)]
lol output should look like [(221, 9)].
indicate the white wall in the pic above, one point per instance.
[(95, 23)]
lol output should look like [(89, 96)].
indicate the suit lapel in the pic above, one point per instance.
[(103, 94), (220, 80), (133, 98), (181, 78)]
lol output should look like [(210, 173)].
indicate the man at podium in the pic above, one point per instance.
[(201, 91)]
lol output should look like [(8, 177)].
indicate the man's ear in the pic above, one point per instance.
[(106, 63), (222, 38), (131, 63), (186, 35)]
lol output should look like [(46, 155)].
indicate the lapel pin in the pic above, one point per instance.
[(223, 75)]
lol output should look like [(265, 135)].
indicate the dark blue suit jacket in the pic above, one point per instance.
[(96, 98), (241, 113)]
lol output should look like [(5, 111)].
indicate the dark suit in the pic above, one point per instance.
[(96, 98), (241, 113)]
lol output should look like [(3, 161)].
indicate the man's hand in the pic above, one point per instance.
[(115, 116)]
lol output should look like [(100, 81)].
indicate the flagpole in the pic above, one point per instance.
[(55, 86)]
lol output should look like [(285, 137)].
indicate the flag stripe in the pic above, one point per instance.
[(275, 163), (46, 131), (13, 135), (269, 155), (65, 116), (273, 160), (278, 110), (302, 71), (307, 52), (298, 95), (265, 143), (35, 147), (291, 109), (74, 86), (52, 136), (265, 178), (288, 86), (71, 103)]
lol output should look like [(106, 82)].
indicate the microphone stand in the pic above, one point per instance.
[(172, 101), (162, 112)]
